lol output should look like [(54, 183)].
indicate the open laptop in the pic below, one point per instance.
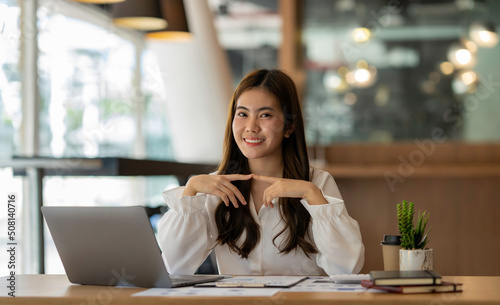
[(112, 246)]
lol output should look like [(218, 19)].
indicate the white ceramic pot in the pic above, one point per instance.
[(416, 259)]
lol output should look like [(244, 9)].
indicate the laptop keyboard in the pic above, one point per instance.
[(182, 279), (174, 278)]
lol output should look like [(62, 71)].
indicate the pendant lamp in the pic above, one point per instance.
[(142, 15), (484, 34), (177, 26)]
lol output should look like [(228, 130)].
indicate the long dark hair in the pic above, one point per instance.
[(236, 227)]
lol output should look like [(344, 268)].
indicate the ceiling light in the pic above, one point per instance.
[(177, 29), (465, 82), (142, 15), (363, 76), (484, 34), (468, 77), (470, 45), (334, 82), (446, 67), (361, 35), (461, 56)]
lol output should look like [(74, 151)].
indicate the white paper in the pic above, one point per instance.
[(264, 280), (316, 284), (325, 285), (204, 292)]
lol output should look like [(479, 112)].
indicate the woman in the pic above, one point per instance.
[(265, 211)]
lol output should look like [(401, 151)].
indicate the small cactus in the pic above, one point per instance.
[(412, 237)]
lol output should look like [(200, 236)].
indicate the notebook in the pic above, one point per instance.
[(443, 287), (112, 246), (406, 277)]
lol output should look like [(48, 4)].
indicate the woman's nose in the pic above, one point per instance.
[(252, 125)]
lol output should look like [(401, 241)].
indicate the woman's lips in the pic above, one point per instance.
[(253, 141)]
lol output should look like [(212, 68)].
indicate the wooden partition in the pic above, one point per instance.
[(459, 184)]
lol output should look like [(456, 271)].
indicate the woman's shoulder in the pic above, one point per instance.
[(317, 173), (320, 177), (325, 181)]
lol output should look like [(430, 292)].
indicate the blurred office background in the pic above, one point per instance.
[(401, 102)]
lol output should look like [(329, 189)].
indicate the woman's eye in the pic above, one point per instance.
[(266, 115), (241, 114)]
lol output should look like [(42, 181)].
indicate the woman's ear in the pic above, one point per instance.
[(289, 131)]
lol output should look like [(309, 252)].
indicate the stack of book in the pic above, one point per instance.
[(425, 281)]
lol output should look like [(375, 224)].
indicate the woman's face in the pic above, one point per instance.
[(258, 124)]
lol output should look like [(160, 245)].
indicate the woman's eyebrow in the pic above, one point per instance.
[(258, 110)]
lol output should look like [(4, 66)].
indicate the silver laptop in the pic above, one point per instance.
[(112, 246)]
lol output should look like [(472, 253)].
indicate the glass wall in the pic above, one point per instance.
[(10, 112), (10, 78), (250, 32), (98, 99), (100, 95), (156, 131), (86, 76), (385, 71), (378, 70)]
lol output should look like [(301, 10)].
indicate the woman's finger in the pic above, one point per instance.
[(222, 196), (268, 197), (235, 177), (235, 191), (265, 178), (229, 194)]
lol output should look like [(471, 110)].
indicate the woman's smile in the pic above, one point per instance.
[(253, 141)]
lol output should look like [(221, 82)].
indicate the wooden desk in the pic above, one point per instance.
[(55, 289)]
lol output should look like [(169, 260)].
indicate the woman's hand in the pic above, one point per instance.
[(217, 185), (291, 188)]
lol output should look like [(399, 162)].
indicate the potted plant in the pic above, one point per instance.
[(413, 254)]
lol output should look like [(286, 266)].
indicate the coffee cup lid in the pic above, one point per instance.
[(391, 240)]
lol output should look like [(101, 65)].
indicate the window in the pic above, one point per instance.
[(100, 95), (10, 78), (10, 111), (86, 81), (383, 71), (155, 126), (250, 32)]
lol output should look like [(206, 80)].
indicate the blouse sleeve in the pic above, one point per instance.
[(184, 232), (335, 233)]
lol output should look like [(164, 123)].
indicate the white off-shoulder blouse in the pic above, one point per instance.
[(187, 234)]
